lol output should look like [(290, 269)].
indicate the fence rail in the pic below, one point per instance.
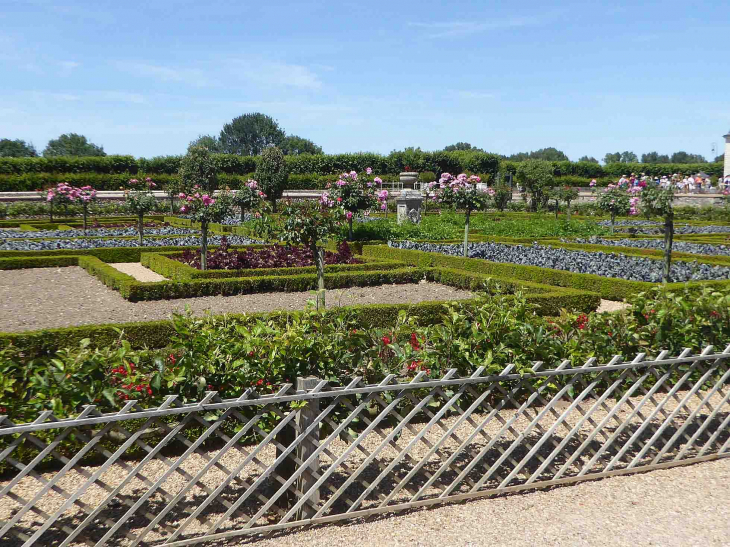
[(182, 474)]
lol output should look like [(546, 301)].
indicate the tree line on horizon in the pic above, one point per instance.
[(250, 134)]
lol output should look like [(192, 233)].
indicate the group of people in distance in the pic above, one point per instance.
[(689, 184)]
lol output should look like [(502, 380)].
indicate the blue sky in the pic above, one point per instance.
[(587, 77)]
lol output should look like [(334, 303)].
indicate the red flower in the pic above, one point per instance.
[(260, 382), (386, 340)]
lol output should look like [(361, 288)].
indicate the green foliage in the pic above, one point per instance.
[(311, 223), (502, 196), (197, 168), (461, 146), (589, 159), (615, 201), (72, 144), (658, 201), (272, 174), (17, 149), (250, 134), (293, 145), (207, 141), (536, 176), (545, 154)]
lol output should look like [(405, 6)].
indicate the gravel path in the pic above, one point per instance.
[(612, 305), (139, 272), (678, 507), (61, 297)]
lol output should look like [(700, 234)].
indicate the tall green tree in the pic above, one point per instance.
[(684, 157), (720, 158), (588, 159), (612, 158), (293, 145), (16, 149), (250, 134), (72, 144), (545, 154), (211, 142), (272, 174), (462, 146), (629, 157), (197, 168), (654, 157)]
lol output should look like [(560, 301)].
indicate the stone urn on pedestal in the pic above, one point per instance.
[(408, 178)]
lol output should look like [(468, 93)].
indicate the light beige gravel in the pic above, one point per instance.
[(612, 305), (139, 272), (46, 298), (684, 506)]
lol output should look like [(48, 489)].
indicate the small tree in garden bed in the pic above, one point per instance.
[(312, 224), (536, 176), (564, 194), (85, 195), (502, 196), (615, 201), (62, 194), (354, 194), (139, 200), (203, 208), (461, 193), (248, 197), (197, 168), (659, 202), (272, 174)]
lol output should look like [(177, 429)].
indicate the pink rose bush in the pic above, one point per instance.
[(354, 193), (205, 208), (461, 193), (249, 197), (139, 200)]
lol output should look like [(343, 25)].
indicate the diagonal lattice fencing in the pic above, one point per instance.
[(182, 474)]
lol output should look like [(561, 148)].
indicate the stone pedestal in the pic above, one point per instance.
[(409, 205)]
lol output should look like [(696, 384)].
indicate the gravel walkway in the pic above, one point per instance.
[(61, 297), (679, 507), (612, 305), (139, 272)]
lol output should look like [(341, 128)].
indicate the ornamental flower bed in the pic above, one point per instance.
[(275, 256)]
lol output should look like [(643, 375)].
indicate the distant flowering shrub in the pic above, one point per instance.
[(249, 197)]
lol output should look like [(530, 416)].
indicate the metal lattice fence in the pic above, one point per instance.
[(183, 474)]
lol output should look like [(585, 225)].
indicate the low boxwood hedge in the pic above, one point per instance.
[(609, 288)]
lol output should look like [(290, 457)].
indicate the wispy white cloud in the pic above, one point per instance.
[(67, 97), (69, 65), (462, 28), (123, 97), (475, 95), (192, 76), (272, 73)]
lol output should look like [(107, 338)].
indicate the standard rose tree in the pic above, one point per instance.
[(204, 208), (85, 195), (313, 224), (462, 194), (139, 200), (62, 194), (615, 201), (249, 198), (659, 202), (354, 193)]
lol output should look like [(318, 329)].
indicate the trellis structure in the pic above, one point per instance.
[(182, 474)]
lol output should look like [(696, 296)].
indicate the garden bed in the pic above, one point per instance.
[(94, 243), (597, 263), (658, 244)]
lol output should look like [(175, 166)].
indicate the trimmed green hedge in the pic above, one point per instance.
[(22, 263), (608, 287)]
